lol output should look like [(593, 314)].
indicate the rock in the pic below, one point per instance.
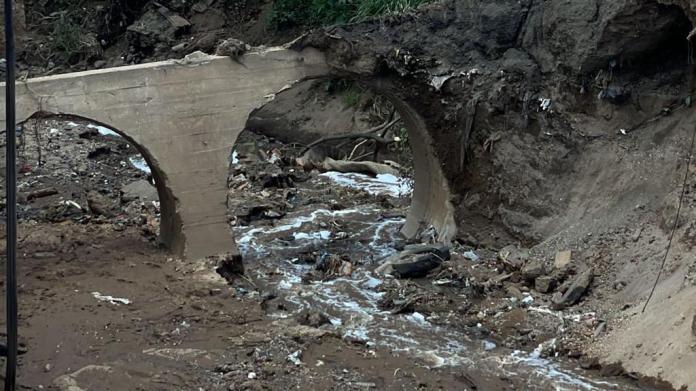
[(89, 133), (563, 259), (277, 180), (62, 211), (421, 265), (303, 333), (180, 47), (99, 64), (514, 292), (231, 47), (251, 385), (693, 326), (439, 253), (100, 205), (599, 330), (346, 269), (249, 213), (544, 284), (99, 151), (614, 369), (587, 362), (201, 6), (313, 318), (576, 290), (533, 269), (229, 266), (139, 190), (547, 348), (513, 257), (154, 27), (333, 265), (615, 94), (470, 240)]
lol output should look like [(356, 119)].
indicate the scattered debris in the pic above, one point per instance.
[(110, 299), (471, 255), (544, 104), (295, 357), (49, 191)]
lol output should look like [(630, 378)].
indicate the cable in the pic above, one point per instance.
[(11, 202), (676, 220)]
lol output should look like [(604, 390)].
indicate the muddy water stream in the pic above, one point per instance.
[(368, 232)]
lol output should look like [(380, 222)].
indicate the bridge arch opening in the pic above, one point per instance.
[(79, 167), (329, 134)]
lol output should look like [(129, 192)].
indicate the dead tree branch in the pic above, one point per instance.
[(361, 135)]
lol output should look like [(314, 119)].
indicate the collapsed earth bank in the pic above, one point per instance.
[(560, 126)]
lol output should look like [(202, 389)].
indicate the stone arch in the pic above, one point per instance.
[(430, 200), (184, 116), (170, 221)]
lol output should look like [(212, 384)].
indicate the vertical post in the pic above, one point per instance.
[(11, 202)]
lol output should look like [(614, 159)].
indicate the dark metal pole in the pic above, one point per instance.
[(11, 202)]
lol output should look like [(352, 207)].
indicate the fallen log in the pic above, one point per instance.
[(363, 167), (38, 194)]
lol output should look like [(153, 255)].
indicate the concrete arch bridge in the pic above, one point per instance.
[(184, 117)]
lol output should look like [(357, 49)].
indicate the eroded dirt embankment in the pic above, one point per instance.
[(560, 126)]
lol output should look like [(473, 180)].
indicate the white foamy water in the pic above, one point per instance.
[(247, 240), (352, 302), (140, 163), (382, 184), (104, 131)]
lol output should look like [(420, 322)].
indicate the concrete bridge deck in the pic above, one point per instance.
[(184, 117)]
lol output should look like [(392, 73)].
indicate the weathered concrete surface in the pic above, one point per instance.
[(185, 116)]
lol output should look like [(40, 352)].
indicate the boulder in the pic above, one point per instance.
[(100, 205), (576, 290), (139, 190), (544, 284), (418, 258), (513, 257), (563, 259), (533, 269), (230, 266)]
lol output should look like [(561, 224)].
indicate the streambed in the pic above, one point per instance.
[(363, 234)]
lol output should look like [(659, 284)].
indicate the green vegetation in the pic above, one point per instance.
[(350, 92), (314, 13), (351, 96), (68, 37)]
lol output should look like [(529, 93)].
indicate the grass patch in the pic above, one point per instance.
[(351, 96), (314, 13)]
